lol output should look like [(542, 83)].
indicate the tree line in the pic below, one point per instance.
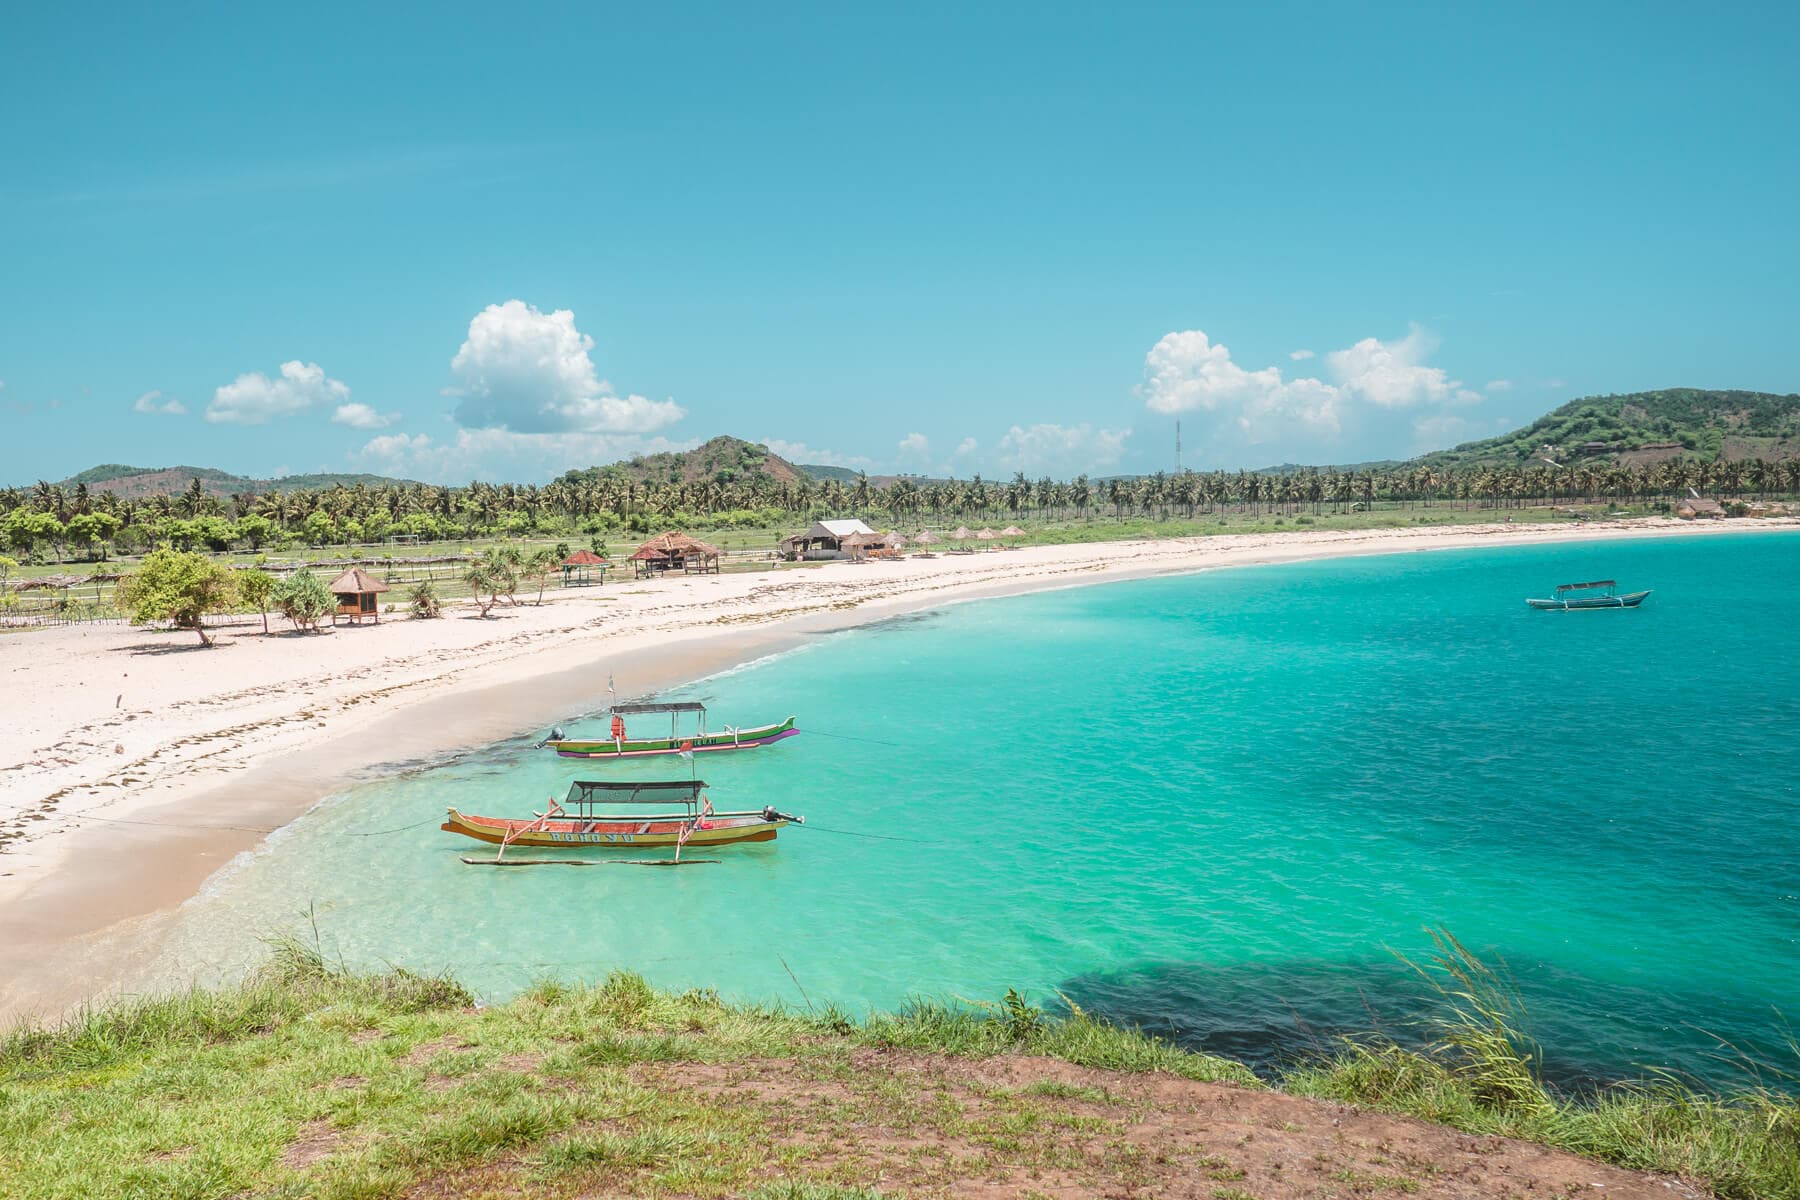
[(49, 518)]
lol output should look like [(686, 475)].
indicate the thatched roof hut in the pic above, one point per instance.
[(356, 591), (824, 539), (1700, 506), (676, 551)]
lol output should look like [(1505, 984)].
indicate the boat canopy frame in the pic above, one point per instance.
[(585, 793), (674, 710), (1609, 584)]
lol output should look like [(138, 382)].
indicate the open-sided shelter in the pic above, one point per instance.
[(358, 596), (578, 568), (676, 551), (824, 539)]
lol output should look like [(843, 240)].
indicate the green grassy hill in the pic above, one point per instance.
[(724, 459), (135, 483), (1645, 427)]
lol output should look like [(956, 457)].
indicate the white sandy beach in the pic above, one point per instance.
[(134, 763)]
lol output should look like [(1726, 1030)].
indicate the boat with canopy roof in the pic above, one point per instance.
[(623, 745), (1599, 593), (656, 815)]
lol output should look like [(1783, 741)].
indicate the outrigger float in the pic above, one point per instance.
[(622, 745), (576, 823), (1605, 594)]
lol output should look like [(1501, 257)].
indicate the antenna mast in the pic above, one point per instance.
[(1178, 446)]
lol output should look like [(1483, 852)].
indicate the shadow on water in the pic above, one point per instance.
[(1272, 1016)]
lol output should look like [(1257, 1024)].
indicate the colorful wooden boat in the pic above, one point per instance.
[(679, 815), (1600, 593), (623, 745)]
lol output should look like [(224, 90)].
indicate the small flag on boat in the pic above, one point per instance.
[(687, 750)]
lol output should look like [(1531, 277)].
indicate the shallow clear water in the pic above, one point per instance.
[(1213, 805)]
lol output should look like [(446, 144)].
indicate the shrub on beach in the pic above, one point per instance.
[(303, 599), (424, 600), (178, 586)]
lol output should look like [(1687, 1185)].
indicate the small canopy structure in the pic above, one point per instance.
[(985, 534), (873, 545), (577, 568), (824, 539), (924, 537), (1012, 531), (961, 533), (357, 591), (676, 551)]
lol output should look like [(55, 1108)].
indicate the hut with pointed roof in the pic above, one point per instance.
[(358, 596), (676, 551), (578, 567)]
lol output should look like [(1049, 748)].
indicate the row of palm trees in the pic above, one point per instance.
[(481, 508)]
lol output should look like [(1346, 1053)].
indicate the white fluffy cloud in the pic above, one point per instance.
[(1186, 370), (529, 371), (966, 447), (915, 445), (1499, 385), (500, 455), (801, 454), (255, 399), (361, 416), (156, 402), (1061, 449), (1394, 374)]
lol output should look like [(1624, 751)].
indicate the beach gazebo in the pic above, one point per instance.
[(357, 594), (925, 538), (676, 551), (577, 569)]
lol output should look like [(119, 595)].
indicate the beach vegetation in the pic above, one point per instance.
[(256, 587), (424, 600), (179, 586), (303, 599)]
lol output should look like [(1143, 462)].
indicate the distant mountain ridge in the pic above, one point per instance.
[(1627, 430), (135, 483)]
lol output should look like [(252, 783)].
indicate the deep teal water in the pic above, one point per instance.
[(1212, 805)]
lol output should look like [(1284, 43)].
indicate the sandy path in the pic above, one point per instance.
[(133, 763)]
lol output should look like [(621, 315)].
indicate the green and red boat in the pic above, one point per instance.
[(622, 743)]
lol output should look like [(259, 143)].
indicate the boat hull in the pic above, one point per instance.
[(610, 833), (1629, 600), (742, 739)]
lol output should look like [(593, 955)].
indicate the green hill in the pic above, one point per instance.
[(135, 483), (1645, 427), (722, 460)]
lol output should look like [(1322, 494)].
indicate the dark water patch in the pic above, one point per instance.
[(1273, 1016)]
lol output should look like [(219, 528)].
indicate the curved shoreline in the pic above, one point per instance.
[(84, 903)]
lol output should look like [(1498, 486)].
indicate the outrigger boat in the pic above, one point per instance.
[(622, 745), (1605, 595), (577, 823)]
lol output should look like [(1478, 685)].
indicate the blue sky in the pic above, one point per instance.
[(497, 241)]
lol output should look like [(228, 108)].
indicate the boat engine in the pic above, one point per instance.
[(556, 735), (771, 814)]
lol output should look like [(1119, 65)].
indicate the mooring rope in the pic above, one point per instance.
[(846, 737), (879, 837)]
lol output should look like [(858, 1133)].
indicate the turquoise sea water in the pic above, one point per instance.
[(1212, 805)]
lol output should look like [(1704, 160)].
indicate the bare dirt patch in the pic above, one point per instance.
[(315, 1140), (1018, 1125)]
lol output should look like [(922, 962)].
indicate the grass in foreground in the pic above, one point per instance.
[(311, 1082), (1482, 1076)]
